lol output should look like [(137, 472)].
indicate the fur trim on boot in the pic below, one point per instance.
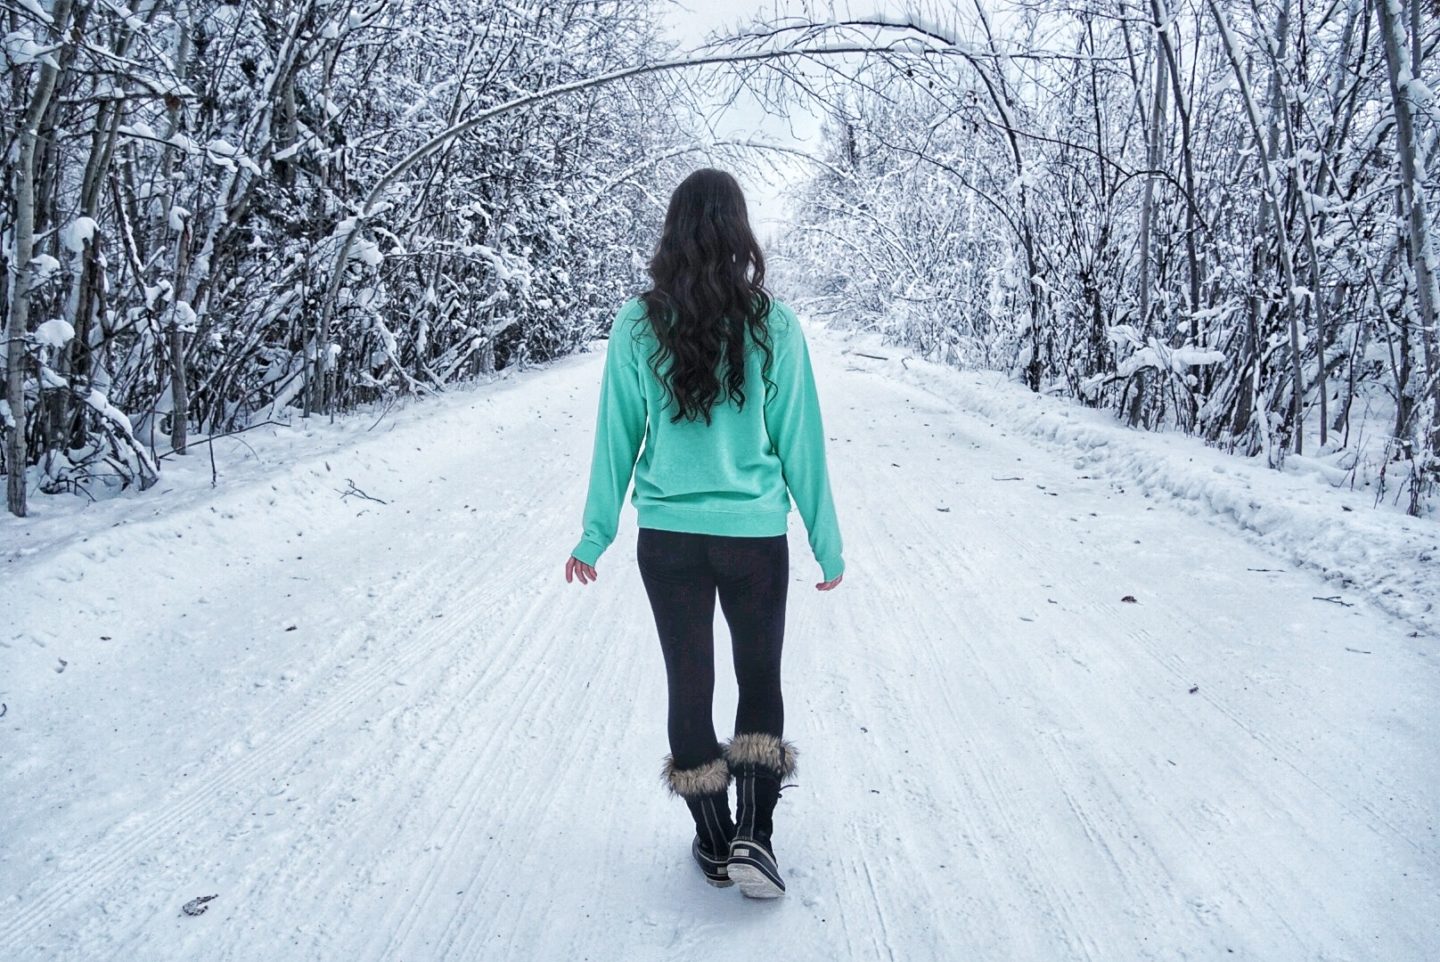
[(762, 749), (713, 776)]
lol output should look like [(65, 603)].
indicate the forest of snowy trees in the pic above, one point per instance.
[(1213, 216), (181, 173), (1208, 216)]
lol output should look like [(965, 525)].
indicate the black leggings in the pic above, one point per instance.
[(682, 571)]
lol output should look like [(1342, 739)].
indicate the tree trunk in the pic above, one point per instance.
[(1272, 202), (179, 391), (1154, 158), (1187, 154), (1421, 253), (16, 457)]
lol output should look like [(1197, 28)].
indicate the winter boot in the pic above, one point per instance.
[(705, 791), (759, 762)]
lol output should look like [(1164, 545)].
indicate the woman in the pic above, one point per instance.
[(715, 376)]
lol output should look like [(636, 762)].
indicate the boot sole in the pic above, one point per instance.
[(754, 883), (715, 871)]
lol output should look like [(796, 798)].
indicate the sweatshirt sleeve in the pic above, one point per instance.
[(619, 429), (792, 416)]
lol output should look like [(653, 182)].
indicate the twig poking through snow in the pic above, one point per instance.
[(382, 416), (229, 434), (1334, 600), (358, 493)]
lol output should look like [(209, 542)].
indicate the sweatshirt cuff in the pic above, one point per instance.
[(587, 551), (832, 568)]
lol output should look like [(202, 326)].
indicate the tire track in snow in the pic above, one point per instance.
[(901, 543), (443, 708), (375, 778), (893, 549), (436, 644), (108, 861), (484, 787)]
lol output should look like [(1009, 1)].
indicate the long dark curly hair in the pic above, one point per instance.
[(708, 286)]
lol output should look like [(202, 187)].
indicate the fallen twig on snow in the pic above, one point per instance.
[(358, 493)]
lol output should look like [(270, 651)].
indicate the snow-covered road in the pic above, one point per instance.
[(392, 730)]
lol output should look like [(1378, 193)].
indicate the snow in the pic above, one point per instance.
[(1157, 355), (366, 251), (139, 129), (34, 8), (384, 729), (52, 380), (20, 48), (221, 153), (79, 232), (182, 316), (1299, 515), (43, 266), (54, 333), (101, 404)]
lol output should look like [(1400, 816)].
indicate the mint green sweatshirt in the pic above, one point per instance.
[(734, 476)]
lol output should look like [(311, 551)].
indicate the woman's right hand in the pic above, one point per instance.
[(827, 585)]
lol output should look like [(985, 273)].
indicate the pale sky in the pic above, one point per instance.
[(689, 21)]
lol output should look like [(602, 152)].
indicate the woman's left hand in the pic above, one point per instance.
[(586, 572)]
